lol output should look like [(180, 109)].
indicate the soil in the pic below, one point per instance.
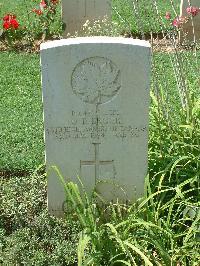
[(6, 174), (159, 43)]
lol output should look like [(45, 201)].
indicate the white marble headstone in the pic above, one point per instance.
[(75, 13), (190, 29), (96, 109)]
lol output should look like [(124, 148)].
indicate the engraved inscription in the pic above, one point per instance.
[(85, 125), (96, 80)]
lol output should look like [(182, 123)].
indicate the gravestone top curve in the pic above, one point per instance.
[(95, 39)]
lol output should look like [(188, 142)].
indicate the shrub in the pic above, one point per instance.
[(28, 234)]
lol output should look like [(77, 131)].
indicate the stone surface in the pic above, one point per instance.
[(188, 31), (96, 109), (76, 12)]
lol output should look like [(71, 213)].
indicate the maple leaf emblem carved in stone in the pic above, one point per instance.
[(96, 80)]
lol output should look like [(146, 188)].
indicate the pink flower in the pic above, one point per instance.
[(43, 5), (192, 10), (178, 21), (167, 15)]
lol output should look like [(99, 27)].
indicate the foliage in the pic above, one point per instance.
[(40, 20), (175, 121), (140, 17), (28, 234), (45, 22), (152, 231)]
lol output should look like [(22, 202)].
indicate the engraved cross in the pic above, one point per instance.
[(97, 162)]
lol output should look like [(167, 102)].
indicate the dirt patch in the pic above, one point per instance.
[(159, 43), (6, 174)]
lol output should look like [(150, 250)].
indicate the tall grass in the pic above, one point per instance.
[(149, 232)]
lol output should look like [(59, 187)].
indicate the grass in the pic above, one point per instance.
[(21, 123)]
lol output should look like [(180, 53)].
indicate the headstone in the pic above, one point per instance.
[(75, 13), (96, 109), (192, 27)]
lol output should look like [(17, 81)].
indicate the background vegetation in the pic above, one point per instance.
[(132, 17)]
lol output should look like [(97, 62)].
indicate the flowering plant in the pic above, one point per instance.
[(180, 20), (40, 23), (11, 28), (10, 22), (44, 17)]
